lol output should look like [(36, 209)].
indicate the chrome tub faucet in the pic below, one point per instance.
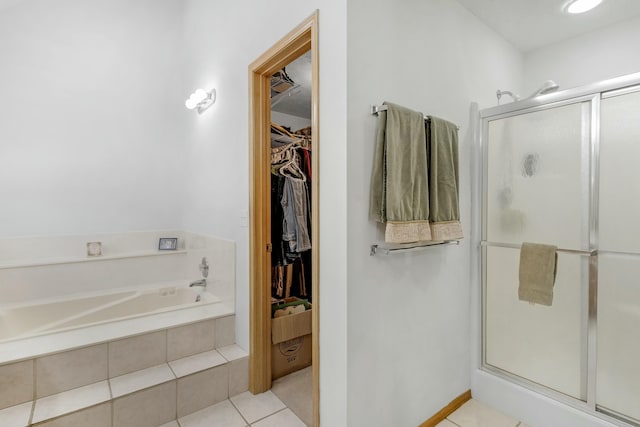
[(201, 282), (204, 268)]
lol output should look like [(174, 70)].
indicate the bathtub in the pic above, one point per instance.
[(49, 326)]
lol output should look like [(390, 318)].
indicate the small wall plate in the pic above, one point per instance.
[(94, 248)]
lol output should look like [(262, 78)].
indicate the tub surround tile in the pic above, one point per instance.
[(128, 382), (191, 339), (202, 389), (446, 423), (96, 416), (71, 369), (238, 376), (255, 407), (284, 418), (476, 414), (148, 408), (136, 381), (225, 331), (196, 363), (16, 383), (71, 401), (232, 352), (222, 414), (16, 416), (136, 353)]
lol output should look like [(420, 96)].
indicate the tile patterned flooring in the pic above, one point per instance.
[(295, 391), (288, 404), (270, 409), (476, 414), (245, 409)]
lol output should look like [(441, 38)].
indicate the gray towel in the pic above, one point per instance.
[(399, 183), (537, 273), (442, 152)]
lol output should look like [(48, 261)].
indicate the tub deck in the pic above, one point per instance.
[(29, 330)]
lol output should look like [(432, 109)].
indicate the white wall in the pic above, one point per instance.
[(89, 138), (609, 52), (220, 43), (408, 321)]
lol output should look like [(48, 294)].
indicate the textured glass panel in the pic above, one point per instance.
[(542, 344), (620, 174), (536, 178), (618, 372)]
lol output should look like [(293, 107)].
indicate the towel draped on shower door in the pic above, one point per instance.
[(414, 184), (537, 273)]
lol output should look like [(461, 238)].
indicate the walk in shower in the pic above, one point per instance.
[(564, 169)]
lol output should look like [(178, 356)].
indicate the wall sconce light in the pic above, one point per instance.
[(580, 6), (201, 100)]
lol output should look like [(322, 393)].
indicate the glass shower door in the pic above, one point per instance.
[(537, 190), (618, 370)]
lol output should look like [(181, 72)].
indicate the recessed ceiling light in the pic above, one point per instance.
[(581, 6)]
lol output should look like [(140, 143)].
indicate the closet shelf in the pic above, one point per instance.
[(388, 249)]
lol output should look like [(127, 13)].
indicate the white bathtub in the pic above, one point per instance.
[(27, 330)]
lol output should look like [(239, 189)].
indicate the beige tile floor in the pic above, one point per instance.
[(261, 410), (289, 404), (477, 414), (295, 391)]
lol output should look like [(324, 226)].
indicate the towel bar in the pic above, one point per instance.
[(409, 247), (590, 252), (375, 109)]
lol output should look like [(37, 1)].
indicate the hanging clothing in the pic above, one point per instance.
[(295, 206), (278, 250), (290, 215)]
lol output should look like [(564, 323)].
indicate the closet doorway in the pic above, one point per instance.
[(303, 40)]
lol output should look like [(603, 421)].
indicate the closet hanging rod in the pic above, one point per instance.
[(409, 247), (375, 109)]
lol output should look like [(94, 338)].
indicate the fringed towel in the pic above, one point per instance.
[(442, 152), (399, 185), (537, 273)]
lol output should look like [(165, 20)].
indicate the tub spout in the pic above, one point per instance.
[(201, 282)]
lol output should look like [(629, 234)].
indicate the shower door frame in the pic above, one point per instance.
[(592, 93)]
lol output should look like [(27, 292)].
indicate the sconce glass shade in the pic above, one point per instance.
[(581, 6), (190, 103), (200, 99)]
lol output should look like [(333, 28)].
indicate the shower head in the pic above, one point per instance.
[(547, 87), (499, 94)]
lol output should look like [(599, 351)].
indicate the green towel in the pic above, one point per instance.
[(442, 151), (399, 184), (537, 273)]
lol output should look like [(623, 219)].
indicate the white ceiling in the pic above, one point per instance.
[(299, 103), (531, 24)]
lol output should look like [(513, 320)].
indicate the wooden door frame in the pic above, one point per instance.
[(300, 40)]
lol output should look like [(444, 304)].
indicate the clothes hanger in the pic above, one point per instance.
[(291, 169)]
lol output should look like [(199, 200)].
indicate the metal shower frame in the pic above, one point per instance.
[(591, 95)]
